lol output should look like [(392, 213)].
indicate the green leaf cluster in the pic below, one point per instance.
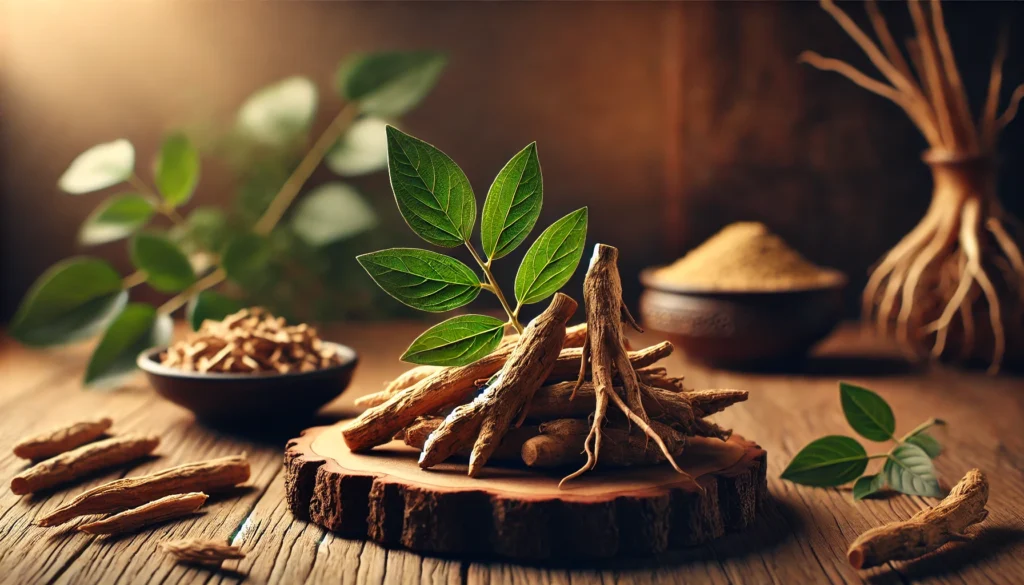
[(186, 253), (437, 202), (836, 460)]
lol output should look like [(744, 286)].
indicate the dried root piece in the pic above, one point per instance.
[(561, 444), (407, 379), (556, 401), (416, 434), (928, 529), (82, 461), (201, 552), (606, 348), (205, 476), (66, 438), (447, 387), (166, 508), (485, 420)]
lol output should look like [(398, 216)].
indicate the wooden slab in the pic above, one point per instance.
[(521, 513)]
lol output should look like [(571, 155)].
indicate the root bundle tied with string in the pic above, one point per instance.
[(954, 286)]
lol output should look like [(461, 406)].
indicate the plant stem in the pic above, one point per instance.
[(275, 211), (134, 279), (209, 281), (162, 206), (492, 286), (880, 456), (922, 427)]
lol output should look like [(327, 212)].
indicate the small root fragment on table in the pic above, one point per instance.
[(162, 510), (927, 530), (201, 552), (82, 461), (484, 421), (615, 379), (59, 440)]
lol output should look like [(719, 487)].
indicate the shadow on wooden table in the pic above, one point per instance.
[(834, 365), (274, 433), (987, 543)]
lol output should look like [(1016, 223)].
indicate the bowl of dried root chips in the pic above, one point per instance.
[(250, 365)]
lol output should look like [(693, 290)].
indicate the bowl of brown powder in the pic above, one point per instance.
[(250, 366), (743, 298)]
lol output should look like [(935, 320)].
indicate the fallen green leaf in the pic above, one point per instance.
[(828, 462), (909, 470), (868, 413)]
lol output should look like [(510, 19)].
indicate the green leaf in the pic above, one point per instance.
[(166, 266), (432, 192), (71, 301), (868, 485), (553, 257), (361, 150), (513, 204), (828, 462), (422, 279), (927, 443), (116, 218), (177, 169), (909, 470), (135, 329), (389, 84), (246, 259), (456, 342), (212, 305), (867, 412), (99, 167), (280, 113), (331, 212)]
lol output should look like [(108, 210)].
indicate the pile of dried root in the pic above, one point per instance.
[(557, 380)]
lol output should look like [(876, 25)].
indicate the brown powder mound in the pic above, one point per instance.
[(745, 256)]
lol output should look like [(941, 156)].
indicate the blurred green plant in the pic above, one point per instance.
[(437, 202), (271, 247)]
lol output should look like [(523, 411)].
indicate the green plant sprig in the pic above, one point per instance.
[(836, 460), (437, 202), (82, 296)]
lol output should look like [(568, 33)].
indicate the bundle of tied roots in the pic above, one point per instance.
[(954, 286), (542, 397)]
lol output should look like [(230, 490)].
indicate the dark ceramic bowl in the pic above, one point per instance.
[(237, 398), (742, 329)]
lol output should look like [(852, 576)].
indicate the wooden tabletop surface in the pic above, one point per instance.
[(802, 537)]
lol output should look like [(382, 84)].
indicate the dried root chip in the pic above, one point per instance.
[(82, 461), (166, 508), (251, 340), (59, 440)]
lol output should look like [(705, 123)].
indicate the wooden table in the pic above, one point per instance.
[(802, 537)]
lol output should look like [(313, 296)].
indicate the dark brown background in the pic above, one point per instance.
[(669, 120)]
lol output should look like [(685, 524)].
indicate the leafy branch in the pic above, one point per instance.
[(82, 296), (437, 202), (836, 460)]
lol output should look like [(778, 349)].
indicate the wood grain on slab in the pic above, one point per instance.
[(520, 513), (801, 536)]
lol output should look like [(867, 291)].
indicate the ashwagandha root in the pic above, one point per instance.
[(668, 407), (403, 381), (573, 338), (927, 530), (415, 436), (205, 476), (77, 463), (561, 444), (66, 438), (166, 508), (606, 349), (201, 552), (453, 386), (488, 417)]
